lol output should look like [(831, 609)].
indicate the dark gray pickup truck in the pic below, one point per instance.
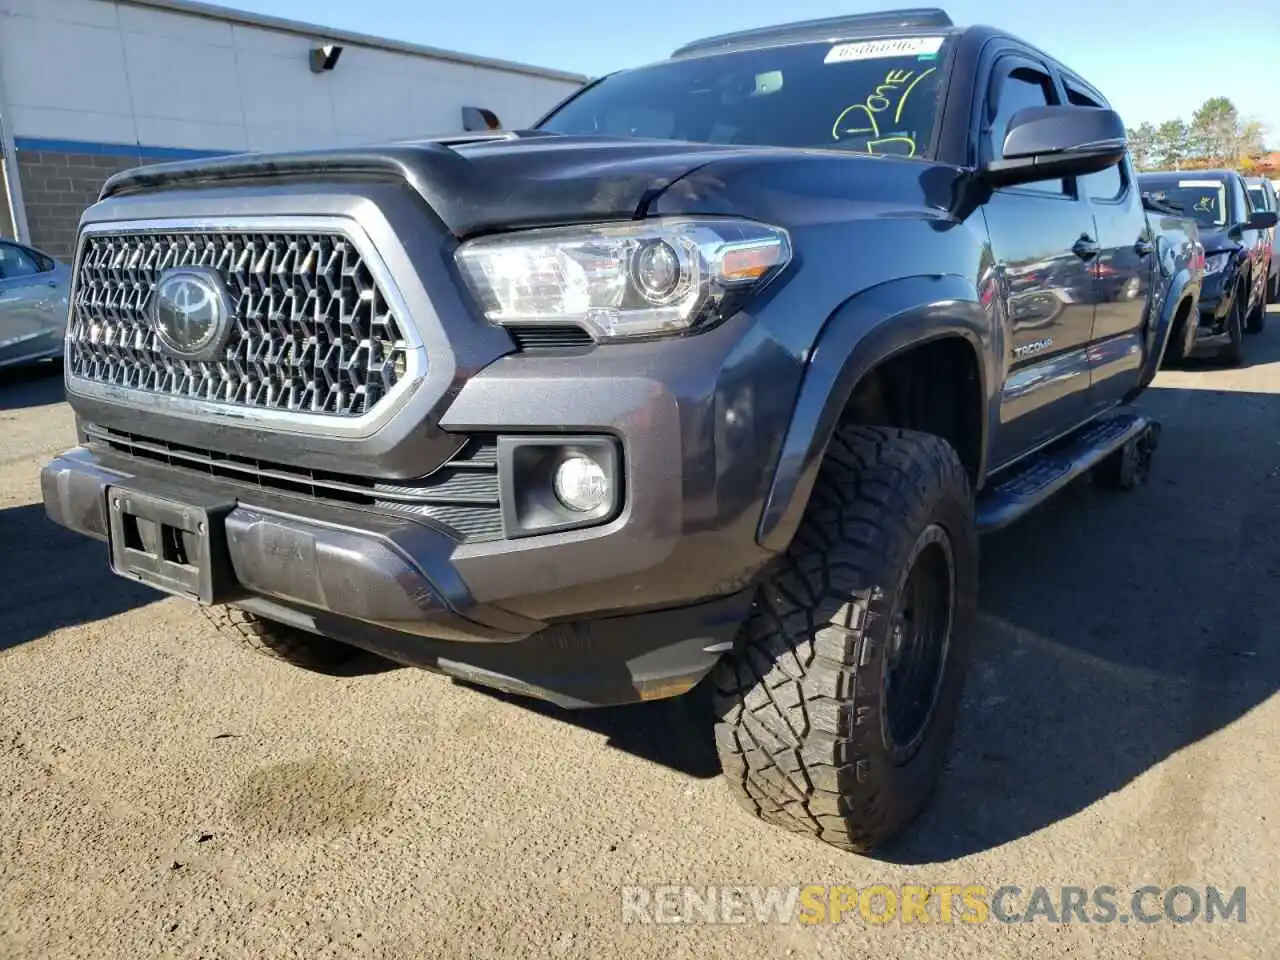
[(1237, 245), (716, 374)]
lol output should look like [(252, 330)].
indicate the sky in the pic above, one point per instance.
[(1152, 61)]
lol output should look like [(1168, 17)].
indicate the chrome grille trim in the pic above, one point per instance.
[(202, 393)]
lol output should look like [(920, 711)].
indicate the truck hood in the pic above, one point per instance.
[(493, 182), (474, 184)]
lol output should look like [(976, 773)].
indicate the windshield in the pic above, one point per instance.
[(1258, 197), (1205, 201), (868, 96)]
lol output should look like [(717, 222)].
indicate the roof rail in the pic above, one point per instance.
[(827, 28)]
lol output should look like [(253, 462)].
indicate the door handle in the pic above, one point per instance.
[(1085, 248), (1143, 247), (52, 283)]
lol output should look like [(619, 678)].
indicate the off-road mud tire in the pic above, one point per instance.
[(801, 729)]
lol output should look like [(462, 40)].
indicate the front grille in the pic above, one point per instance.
[(312, 332), (462, 495)]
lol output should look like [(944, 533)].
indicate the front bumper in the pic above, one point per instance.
[(388, 586), (637, 607)]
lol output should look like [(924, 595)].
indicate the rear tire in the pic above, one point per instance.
[(1130, 466), (837, 707), (279, 641)]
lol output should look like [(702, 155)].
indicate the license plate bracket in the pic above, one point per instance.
[(175, 542)]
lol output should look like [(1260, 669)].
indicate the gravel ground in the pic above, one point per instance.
[(163, 793)]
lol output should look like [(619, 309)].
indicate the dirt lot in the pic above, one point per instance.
[(165, 794)]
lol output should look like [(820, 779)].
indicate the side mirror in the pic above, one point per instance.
[(1045, 143), (478, 118), (1262, 220)]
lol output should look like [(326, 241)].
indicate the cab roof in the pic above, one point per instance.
[(1223, 175), (880, 24)]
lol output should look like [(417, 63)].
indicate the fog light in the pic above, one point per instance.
[(581, 484)]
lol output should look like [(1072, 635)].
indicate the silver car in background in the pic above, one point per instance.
[(33, 304)]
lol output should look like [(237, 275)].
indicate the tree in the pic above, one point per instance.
[(1250, 145), (1214, 133), (1170, 145), (1142, 142), (1216, 137)]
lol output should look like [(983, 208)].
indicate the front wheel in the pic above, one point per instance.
[(836, 709), (279, 641)]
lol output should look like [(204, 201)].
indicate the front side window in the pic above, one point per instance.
[(1239, 210), (1021, 89), (868, 96), (1259, 198), (16, 263)]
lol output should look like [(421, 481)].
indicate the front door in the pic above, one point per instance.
[(1044, 243)]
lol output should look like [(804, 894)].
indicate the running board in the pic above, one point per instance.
[(1043, 474)]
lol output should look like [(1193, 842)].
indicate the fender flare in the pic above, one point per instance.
[(862, 333), (1163, 330), (1244, 278)]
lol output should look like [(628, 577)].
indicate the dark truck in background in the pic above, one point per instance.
[(1237, 246), (1178, 254), (717, 374), (1262, 196)]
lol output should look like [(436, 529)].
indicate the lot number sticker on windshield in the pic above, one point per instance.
[(877, 49)]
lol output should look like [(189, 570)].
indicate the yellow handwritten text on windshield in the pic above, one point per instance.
[(864, 119)]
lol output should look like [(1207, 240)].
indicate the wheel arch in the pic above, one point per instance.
[(867, 332)]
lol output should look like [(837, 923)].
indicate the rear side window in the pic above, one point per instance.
[(1106, 184), (1021, 89)]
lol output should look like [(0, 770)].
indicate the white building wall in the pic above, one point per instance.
[(113, 72), (89, 87)]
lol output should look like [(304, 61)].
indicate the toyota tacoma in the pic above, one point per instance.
[(714, 375), (1237, 246)]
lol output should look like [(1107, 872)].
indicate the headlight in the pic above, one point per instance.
[(624, 280), (1216, 263)]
